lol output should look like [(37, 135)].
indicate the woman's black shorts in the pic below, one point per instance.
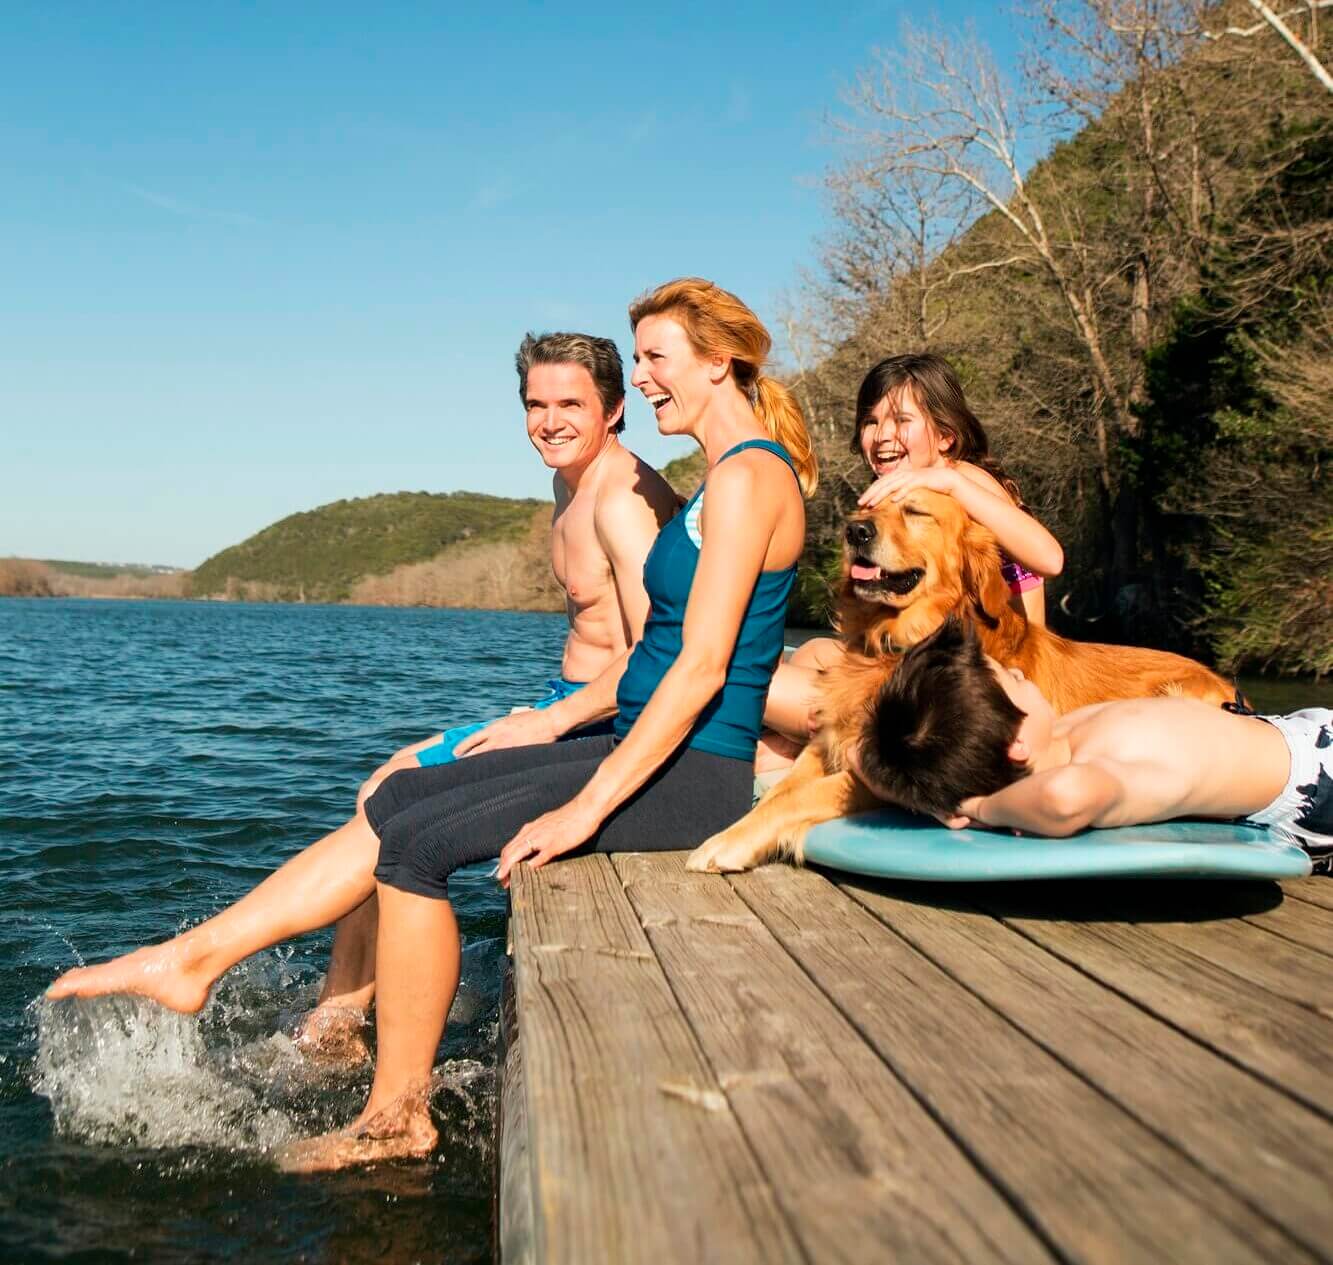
[(431, 821)]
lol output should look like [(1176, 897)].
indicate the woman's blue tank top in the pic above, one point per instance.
[(729, 725)]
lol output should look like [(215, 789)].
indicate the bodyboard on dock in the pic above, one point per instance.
[(893, 844)]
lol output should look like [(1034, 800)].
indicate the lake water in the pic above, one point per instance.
[(157, 759)]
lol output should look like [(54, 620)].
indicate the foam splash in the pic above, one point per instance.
[(125, 1071)]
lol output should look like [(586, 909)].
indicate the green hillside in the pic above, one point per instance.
[(685, 473), (320, 554)]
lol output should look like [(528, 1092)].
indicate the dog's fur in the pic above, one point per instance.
[(933, 561)]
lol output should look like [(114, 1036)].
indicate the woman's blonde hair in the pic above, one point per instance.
[(718, 323)]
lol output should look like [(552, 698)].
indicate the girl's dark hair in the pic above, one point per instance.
[(940, 730), (940, 395)]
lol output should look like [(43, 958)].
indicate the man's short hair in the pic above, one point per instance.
[(941, 728), (599, 356)]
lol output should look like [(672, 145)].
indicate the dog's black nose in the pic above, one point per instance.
[(860, 533)]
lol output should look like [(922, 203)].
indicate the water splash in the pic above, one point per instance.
[(125, 1071)]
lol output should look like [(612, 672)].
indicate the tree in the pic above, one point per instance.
[(1304, 49)]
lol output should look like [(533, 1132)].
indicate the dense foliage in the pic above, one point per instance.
[(1143, 318)]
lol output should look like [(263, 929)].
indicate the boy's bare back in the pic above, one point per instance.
[(1178, 757)]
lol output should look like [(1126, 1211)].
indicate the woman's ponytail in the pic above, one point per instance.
[(781, 415)]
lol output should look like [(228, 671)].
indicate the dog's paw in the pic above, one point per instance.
[(701, 859), (721, 855)]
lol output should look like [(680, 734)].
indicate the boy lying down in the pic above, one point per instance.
[(957, 736)]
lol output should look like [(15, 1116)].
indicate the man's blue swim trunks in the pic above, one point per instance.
[(442, 752)]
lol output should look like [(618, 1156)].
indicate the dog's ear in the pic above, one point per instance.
[(984, 589)]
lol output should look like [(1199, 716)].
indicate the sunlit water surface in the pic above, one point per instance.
[(156, 761)]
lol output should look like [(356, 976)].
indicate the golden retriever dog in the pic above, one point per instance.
[(908, 566)]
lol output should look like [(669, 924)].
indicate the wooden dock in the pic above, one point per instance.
[(799, 1066)]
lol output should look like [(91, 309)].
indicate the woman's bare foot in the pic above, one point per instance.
[(403, 1130), (334, 1036), (156, 972)]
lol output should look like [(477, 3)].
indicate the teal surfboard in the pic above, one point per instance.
[(892, 844)]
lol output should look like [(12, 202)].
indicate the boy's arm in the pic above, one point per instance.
[(1058, 802)]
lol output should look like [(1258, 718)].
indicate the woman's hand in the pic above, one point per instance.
[(550, 835), (523, 729), (898, 483)]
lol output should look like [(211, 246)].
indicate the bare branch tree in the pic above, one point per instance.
[(1278, 22), (941, 111)]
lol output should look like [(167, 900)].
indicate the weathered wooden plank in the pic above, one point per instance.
[(861, 1168), (635, 1153), (1273, 1037), (1102, 1186), (1314, 891), (1272, 1152), (1300, 922), (513, 1222), (1264, 960)]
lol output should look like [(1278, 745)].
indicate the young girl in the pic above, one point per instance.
[(914, 429)]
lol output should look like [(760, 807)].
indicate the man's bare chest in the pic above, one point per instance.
[(577, 557)]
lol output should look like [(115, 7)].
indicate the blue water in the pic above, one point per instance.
[(156, 760)]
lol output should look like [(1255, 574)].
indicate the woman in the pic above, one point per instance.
[(677, 769)]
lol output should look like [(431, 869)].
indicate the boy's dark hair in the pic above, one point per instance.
[(940, 730)]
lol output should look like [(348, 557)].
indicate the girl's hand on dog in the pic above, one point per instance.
[(898, 483)]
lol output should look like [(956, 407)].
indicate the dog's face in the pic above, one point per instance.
[(898, 552), (908, 564)]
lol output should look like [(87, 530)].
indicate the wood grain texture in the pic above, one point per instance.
[(1314, 891), (1101, 1185), (635, 1153), (1274, 1037), (513, 1222), (1301, 923), (1270, 963), (1271, 1152), (862, 1170)]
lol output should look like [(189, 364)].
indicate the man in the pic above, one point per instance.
[(609, 506)]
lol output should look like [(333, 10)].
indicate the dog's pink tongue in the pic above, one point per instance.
[(863, 571)]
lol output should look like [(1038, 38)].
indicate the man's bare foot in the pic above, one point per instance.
[(334, 1036), (155, 973), (403, 1130)]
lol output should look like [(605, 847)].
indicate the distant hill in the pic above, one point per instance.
[(46, 577), (455, 548), (108, 570)]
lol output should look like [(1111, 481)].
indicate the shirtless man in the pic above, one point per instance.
[(609, 506)]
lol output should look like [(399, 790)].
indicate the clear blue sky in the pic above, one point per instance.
[(258, 257)]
